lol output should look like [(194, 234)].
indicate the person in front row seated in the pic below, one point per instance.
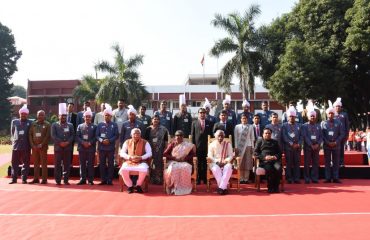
[(179, 167), (268, 152), (135, 151), (221, 154)]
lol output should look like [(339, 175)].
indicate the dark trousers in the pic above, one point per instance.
[(331, 163), (311, 158), (202, 169), (87, 165), (273, 173), (106, 165), (62, 160), (20, 157), (293, 158), (341, 153)]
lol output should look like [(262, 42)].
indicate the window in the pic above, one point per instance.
[(257, 104), (174, 105), (196, 103), (36, 101), (52, 101)]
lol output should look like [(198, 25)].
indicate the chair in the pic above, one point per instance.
[(235, 174), (258, 173), (136, 173), (195, 168)]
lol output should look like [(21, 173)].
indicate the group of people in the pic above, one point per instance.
[(142, 141)]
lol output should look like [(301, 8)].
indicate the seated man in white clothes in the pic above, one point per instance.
[(135, 152), (221, 154)]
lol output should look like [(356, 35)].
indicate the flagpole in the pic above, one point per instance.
[(204, 75)]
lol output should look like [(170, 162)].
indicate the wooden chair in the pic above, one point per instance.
[(195, 167), (235, 174), (258, 176), (136, 173)]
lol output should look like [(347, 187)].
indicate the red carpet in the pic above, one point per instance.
[(335, 211)]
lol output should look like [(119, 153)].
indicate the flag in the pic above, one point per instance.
[(202, 61)]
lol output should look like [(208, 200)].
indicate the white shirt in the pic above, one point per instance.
[(215, 150)]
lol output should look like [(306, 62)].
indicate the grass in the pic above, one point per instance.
[(5, 149)]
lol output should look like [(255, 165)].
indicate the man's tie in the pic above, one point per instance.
[(202, 124), (258, 130)]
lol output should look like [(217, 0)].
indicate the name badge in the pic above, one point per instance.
[(313, 137), (38, 134), (119, 119), (102, 135), (66, 129), (155, 140), (292, 135), (85, 137), (168, 118), (230, 118), (145, 122), (331, 133), (21, 132), (186, 120)]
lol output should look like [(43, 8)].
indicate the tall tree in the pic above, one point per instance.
[(122, 80), (19, 91), (88, 89), (8, 65), (241, 41)]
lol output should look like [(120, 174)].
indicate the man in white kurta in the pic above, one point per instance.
[(135, 152), (244, 143), (221, 154)]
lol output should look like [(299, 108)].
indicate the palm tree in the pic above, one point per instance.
[(122, 80), (87, 89), (241, 40)]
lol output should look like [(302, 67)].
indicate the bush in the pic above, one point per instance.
[(5, 140)]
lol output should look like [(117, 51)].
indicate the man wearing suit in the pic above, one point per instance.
[(343, 118), (182, 120), (62, 133), (165, 117), (200, 130), (257, 127), (230, 114), (212, 119), (72, 118), (225, 126), (246, 112), (80, 115), (265, 115)]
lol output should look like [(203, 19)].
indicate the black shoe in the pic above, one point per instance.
[(276, 190), (24, 181), (12, 182), (81, 182), (314, 181), (130, 190), (225, 191), (270, 190), (289, 181), (34, 181), (139, 189), (66, 183), (342, 166), (327, 181), (306, 181), (336, 181), (110, 183), (102, 183), (91, 183), (58, 183), (44, 181)]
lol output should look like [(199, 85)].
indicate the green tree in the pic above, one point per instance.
[(8, 65), (241, 41), (122, 80), (88, 89), (19, 91)]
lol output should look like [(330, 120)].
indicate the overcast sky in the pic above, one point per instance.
[(64, 39)]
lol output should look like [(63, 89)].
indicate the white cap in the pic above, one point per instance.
[(108, 109), (227, 99), (131, 109), (24, 109), (337, 102), (330, 108), (246, 103), (207, 104), (291, 112), (62, 108), (88, 112), (310, 109), (182, 99)]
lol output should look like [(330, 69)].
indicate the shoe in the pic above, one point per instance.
[(24, 181), (102, 183), (306, 181), (297, 182), (276, 190), (270, 190), (342, 166), (139, 189), (336, 181), (81, 182), (225, 191), (316, 182), (91, 183), (289, 181), (219, 191), (110, 183), (12, 182), (327, 181), (66, 183), (130, 190), (44, 181), (34, 181), (58, 183)]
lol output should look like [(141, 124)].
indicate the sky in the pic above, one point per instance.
[(64, 39)]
